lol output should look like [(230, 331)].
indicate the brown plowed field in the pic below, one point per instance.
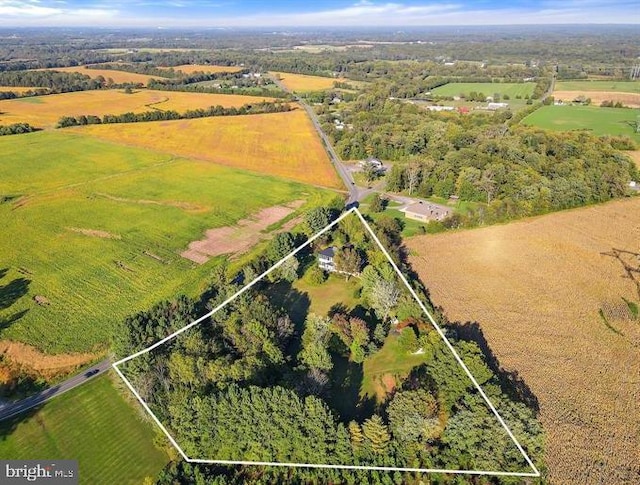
[(535, 287)]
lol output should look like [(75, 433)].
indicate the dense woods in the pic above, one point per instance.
[(269, 374), (483, 157)]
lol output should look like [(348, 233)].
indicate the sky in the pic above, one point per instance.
[(326, 13)]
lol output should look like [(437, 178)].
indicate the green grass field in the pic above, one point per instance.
[(488, 89), (390, 360), (94, 425), (147, 206), (619, 86), (600, 121)]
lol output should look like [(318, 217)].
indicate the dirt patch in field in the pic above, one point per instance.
[(534, 290), (31, 360), (94, 233), (631, 100), (635, 156), (168, 203), (239, 238), (389, 383)]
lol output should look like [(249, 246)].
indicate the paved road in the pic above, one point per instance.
[(10, 409), (355, 193)]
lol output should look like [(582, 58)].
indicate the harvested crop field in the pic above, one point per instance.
[(191, 68), (281, 144), (45, 111), (303, 82), (631, 100), (535, 288), (240, 237), (118, 77), (14, 89)]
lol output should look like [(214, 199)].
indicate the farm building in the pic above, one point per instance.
[(495, 106), (425, 212), (325, 259), (377, 164), (440, 108)]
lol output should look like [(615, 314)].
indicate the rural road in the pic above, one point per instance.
[(355, 193), (11, 409)]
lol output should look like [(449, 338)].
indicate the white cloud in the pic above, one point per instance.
[(361, 14), (32, 12)]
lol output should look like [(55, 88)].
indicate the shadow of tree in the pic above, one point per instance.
[(630, 262), (296, 304), (13, 291), (346, 381), (7, 322), (511, 383), (8, 425)]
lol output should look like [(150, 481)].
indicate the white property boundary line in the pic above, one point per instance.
[(115, 365)]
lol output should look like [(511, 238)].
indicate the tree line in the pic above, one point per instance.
[(160, 115), (54, 81), (16, 129)]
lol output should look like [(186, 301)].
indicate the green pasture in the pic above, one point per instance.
[(618, 86), (148, 207), (391, 360), (600, 121), (488, 89), (94, 425)]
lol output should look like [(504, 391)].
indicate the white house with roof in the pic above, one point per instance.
[(426, 211), (325, 259)]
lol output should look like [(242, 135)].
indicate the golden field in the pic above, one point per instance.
[(302, 82), (119, 77), (535, 288), (191, 68), (280, 144), (631, 100), (45, 111), (6, 89)]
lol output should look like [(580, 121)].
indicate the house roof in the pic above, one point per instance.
[(329, 252)]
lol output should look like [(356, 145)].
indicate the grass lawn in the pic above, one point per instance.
[(97, 229), (488, 89), (94, 425), (600, 121), (389, 364), (302, 298), (620, 86)]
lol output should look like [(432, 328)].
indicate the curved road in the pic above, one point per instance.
[(10, 409)]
